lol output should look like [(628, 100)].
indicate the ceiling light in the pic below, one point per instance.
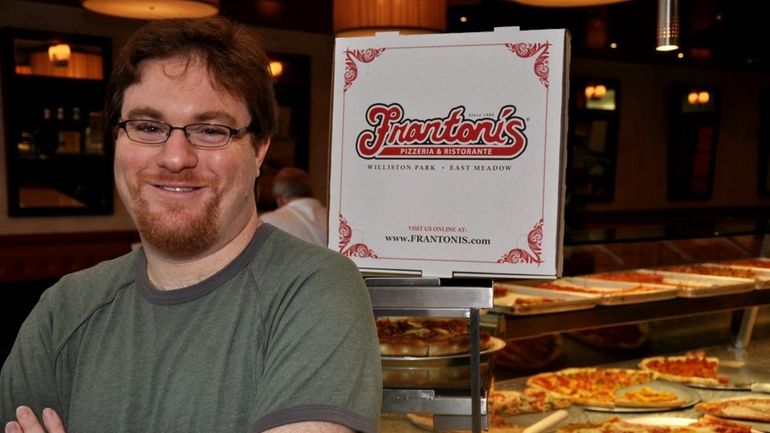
[(366, 17), (567, 3), (154, 9), (668, 25)]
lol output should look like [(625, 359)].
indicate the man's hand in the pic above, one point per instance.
[(27, 422)]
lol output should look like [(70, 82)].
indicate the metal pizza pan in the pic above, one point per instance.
[(687, 396)]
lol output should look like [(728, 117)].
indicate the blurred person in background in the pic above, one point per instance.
[(298, 213)]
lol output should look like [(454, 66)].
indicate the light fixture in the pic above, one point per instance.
[(595, 91), (59, 54), (366, 17), (698, 97), (276, 68), (567, 3), (668, 25), (154, 9)]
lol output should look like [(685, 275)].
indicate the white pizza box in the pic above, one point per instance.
[(447, 153)]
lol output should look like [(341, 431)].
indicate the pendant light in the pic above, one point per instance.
[(668, 25), (154, 9), (366, 17), (567, 3)]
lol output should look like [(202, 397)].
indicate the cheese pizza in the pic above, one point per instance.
[(693, 368), (646, 396), (416, 336), (504, 403), (748, 408), (706, 424), (720, 271), (590, 386)]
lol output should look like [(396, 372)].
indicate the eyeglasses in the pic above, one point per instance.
[(200, 135)]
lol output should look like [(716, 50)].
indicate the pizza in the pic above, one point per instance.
[(706, 424), (720, 271), (497, 424), (590, 386), (527, 354), (752, 263), (646, 396), (748, 408), (631, 276), (570, 287), (530, 400), (619, 337), (693, 368), (503, 403), (417, 336)]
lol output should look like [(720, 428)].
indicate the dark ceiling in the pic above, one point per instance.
[(715, 33), (724, 34)]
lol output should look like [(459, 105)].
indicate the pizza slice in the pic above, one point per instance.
[(748, 408), (711, 424), (691, 368), (530, 400), (612, 425), (590, 386), (646, 396), (422, 337)]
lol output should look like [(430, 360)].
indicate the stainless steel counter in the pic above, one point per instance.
[(757, 356)]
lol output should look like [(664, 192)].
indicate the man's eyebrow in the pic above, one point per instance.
[(218, 116), (144, 112)]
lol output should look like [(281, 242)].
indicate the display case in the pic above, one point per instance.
[(57, 158), (681, 323)]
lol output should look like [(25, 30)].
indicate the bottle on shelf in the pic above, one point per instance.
[(46, 135), (95, 134), (69, 132)]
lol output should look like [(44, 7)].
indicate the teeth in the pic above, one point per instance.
[(176, 189)]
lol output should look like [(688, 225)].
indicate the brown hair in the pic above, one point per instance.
[(231, 52)]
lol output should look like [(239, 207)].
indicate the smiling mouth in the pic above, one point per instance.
[(177, 188)]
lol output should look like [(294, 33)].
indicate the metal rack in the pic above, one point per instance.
[(437, 297)]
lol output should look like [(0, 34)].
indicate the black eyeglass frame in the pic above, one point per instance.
[(234, 132)]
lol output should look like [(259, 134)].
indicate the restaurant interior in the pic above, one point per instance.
[(668, 151)]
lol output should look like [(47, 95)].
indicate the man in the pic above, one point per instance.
[(218, 323), (298, 212)]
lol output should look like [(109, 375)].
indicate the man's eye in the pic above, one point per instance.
[(149, 128), (212, 131)]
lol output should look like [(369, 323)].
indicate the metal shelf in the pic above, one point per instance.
[(437, 297)]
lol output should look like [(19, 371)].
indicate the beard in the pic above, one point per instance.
[(177, 229)]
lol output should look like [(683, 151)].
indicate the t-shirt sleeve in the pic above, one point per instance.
[(27, 377), (321, 359)]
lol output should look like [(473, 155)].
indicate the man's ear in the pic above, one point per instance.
[(261, 152)]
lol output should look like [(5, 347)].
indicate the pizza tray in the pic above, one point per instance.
[(741, 377), (506, 304), (625, 292), (699, 285), (688, 397), (760, 275), (673, 421), (762, 263), (606, 292), (437, 372)]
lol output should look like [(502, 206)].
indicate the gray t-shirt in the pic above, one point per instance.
[(285, 333)]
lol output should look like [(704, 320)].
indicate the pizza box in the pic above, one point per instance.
[(609, 292), (526, 300), (448, 152), (699, 285)]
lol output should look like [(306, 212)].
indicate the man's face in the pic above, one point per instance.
[(186, 202)]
